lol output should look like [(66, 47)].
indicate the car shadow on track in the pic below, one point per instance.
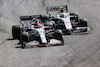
[(30, 47), (10, 39), (18, 45), (83, 33)]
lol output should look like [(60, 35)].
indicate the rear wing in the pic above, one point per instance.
[(56, 8), (23, 18)]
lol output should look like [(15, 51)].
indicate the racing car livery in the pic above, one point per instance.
[(68, 22), (37, 32)]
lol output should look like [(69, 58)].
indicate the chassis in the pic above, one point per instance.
[(37, 33)]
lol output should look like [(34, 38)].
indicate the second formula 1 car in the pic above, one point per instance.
[(68, 22)]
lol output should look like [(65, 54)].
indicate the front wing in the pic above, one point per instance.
[(52, 42), (82, 29)]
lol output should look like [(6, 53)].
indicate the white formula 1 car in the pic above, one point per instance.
[(36, 33), (67, 22)]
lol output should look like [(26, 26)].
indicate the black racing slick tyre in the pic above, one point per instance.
[(16, 30), (39, 39), (75, 17), (83, 23), (24, 39), (58, 36)]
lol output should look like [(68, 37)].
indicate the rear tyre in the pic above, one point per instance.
[(16, 30), (58, 36), (75, 17)]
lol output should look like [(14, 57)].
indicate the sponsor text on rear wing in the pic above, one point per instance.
[(56, 8)]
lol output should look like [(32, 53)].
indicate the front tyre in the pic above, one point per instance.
[(58, 36), (24, 39), (83, 23)]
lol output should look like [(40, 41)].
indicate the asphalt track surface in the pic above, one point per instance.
[(80, 50)]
